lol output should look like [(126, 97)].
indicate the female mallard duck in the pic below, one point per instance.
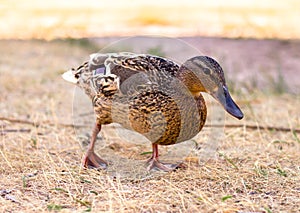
[(151, 95)]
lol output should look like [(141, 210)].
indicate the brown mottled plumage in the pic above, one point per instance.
[(151, 95)]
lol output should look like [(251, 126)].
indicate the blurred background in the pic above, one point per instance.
[(93, 18), (257, 42)]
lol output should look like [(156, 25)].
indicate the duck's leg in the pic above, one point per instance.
[(154, 163), (90, 159)]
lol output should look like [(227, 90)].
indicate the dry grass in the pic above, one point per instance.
[(252, 170)]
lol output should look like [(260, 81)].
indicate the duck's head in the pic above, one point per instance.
[(204, 74)]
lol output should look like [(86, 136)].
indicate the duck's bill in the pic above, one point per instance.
[(223, 96), (232, 108), (69, 76)]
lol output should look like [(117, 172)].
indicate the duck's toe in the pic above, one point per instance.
[(155, 164), (93, 161)]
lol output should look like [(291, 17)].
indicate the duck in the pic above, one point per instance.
[(151, 95)]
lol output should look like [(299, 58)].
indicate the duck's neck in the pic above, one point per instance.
[(190, 80)]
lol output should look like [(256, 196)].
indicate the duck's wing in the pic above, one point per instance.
[(136, 71)]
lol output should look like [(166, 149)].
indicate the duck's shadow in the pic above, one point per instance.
[(127, 152)]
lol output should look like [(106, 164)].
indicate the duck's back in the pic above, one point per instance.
[(134, 70)]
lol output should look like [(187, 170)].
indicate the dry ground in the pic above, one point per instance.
[(248, 170)]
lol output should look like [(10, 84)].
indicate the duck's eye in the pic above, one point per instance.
[(206, 71)]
